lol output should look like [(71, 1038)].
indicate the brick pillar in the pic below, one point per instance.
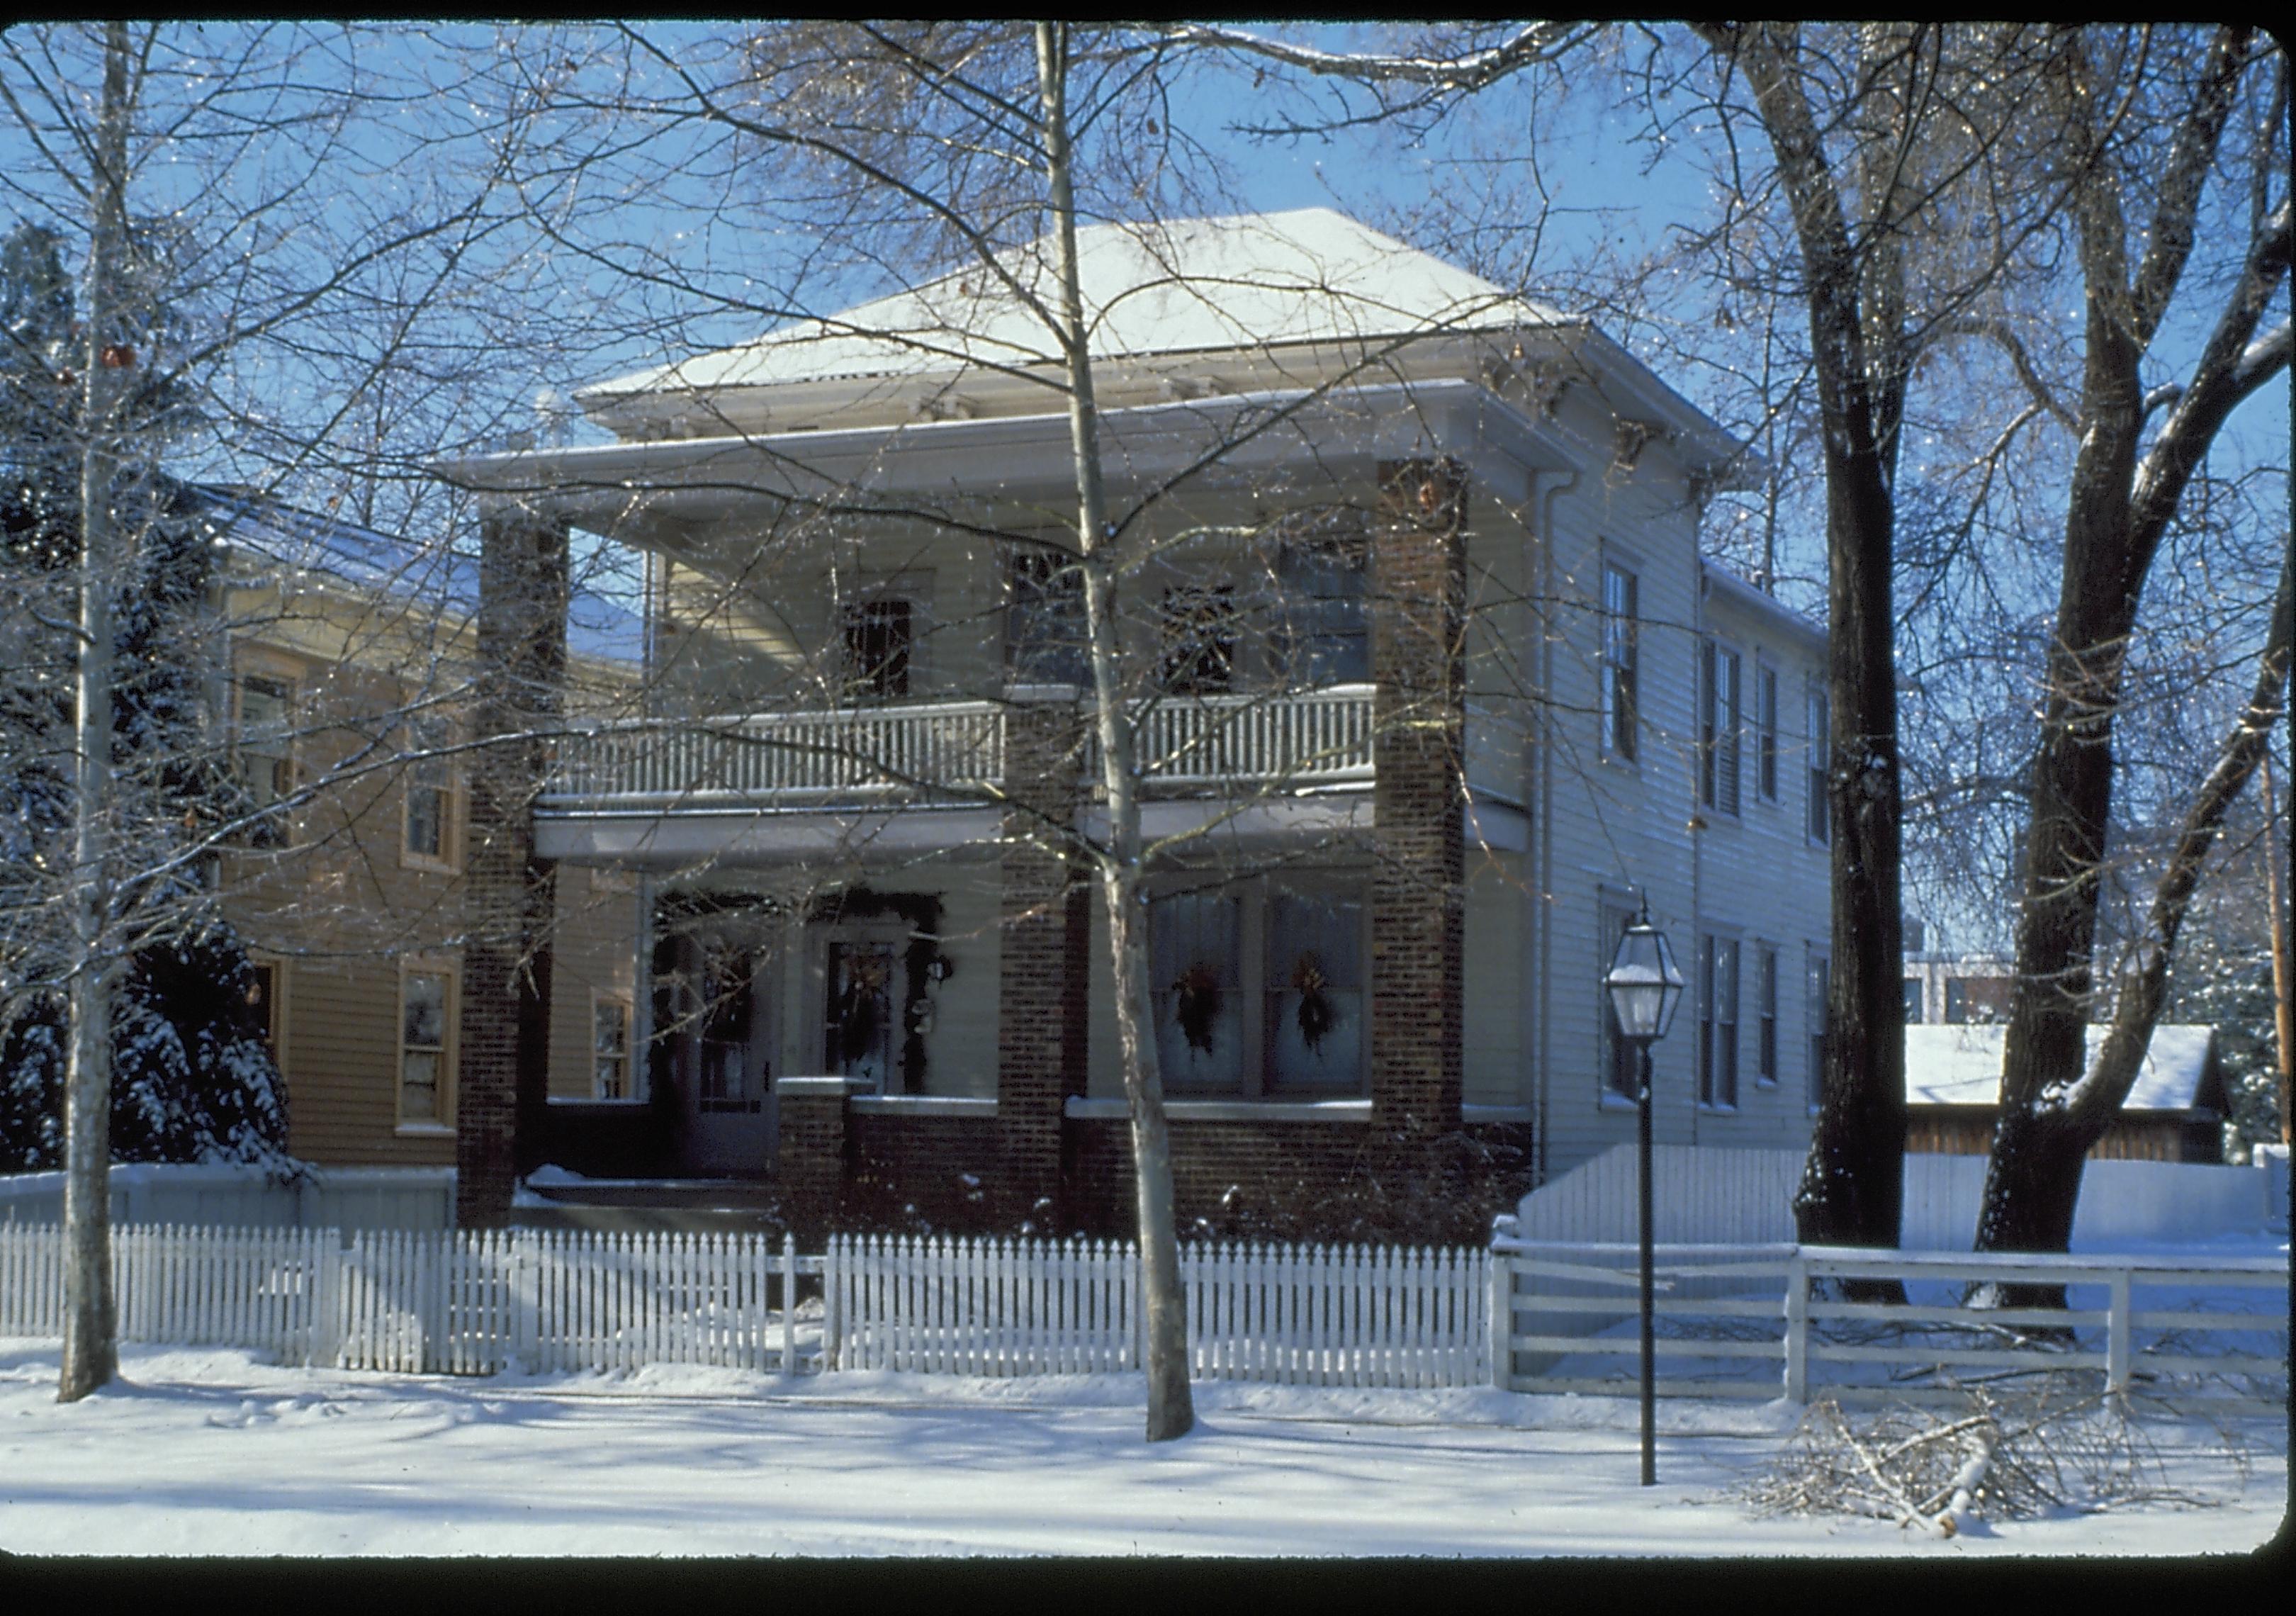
[(809, 1153), (1418, 882), (1044, 942), (509, 895)]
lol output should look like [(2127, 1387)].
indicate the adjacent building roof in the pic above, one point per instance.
[(1961, 1066), (1245, 281)]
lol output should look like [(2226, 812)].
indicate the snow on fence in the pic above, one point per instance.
[(1353, 1316), (474, 1301), (1759, 1320)]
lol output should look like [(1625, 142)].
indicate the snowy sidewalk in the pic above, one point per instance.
[(198, 1451)]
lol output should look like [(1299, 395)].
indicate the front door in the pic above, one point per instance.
[(722, 1045)]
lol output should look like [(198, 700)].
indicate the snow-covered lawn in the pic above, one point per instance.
[(206, 1452)]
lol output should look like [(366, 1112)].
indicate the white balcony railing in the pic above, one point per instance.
[(769, 757), (1320, 738)]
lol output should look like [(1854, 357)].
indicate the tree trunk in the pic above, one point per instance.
[(91, 1352), (2283, 977), (1850, 1190), (1165, 1330)]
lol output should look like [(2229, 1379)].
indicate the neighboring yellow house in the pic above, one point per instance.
[(349, 662)]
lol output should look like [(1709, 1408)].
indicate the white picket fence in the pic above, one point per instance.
[(473, 1302), (1322, 1316)]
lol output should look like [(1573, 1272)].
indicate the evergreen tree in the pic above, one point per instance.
[(192, 1077)]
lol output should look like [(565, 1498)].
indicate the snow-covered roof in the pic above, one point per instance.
[(1246, 280), (272, 532), (1961, 1066)]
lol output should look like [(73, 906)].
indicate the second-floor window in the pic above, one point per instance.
[(1766, 728), (879, 636), (1820, 731), (1045, 638), (1765, 1006), (1321, 636), (430, 789), (1621, 704), (1719, 727), (1196, 639), (266, 748)]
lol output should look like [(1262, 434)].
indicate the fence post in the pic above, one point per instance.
[(326, 1298), (788, 1302), (1498, 1324), (2116, 1333), (1798, 1327), (832, 1310), (526, 1301)]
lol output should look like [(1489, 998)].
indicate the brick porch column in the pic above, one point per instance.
[(1418, 882), (1044, 943), (509, 895), (809, 1152)]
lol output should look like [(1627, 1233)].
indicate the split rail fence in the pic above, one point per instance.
[(1762, 1320), (474, 1302)]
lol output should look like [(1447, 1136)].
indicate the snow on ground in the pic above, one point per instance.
[(215, 1452)]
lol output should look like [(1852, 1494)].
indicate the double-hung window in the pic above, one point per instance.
[(1813, 1017), (1619, 700), (1719, 727), (1197, 632), (1045, 634), (1766, 730), (1819, 747), (266, 754), (1258, 988), (426, 1009), (430, 789), (1322, 636), (879, 635), (1766, 1007), (1718, 1021)]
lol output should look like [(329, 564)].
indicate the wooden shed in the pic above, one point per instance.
[(2174, 1112)]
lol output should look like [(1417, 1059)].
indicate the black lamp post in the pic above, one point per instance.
[(1644, 988)]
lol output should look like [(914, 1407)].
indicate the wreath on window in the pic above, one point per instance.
[(1314, 988), (855, 1010), (1196, 1005)]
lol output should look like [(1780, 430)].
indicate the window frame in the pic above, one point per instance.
[(1766, 1014), (1618, 699), (275, 1030), (1717, 1050), (1766, 731), (1721, 726), (286, 680), (449, 974), (1256, 898), (1044, 589), (427, 734), (600, 1000), (1818, 741), (1818, 982), (868, 684)]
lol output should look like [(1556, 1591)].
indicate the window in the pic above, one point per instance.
[(1045, 639), (1718, 725), (266, 758), (1621, 708), (878, 639), (610, 1043), (426, 1004), (430, 789), (1195, 950), (861, 1037), (1818, 746), (1766, 731), (1913, 1001), (1620, 1079), (1766, 1008), (1718, 1021), (731, 1080), (1314, 988), (1321, 636), (1258, 988), (1813, 1017), (1197, 634), (267, 992)]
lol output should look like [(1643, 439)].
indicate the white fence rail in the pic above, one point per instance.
[(471, 1302), (1762, 1321), (769, 757), (1704, 1193), (1353, 1316)]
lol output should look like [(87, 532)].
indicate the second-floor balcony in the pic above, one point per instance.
[(953, 755)]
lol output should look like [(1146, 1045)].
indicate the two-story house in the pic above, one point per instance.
[(1430, 687)]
